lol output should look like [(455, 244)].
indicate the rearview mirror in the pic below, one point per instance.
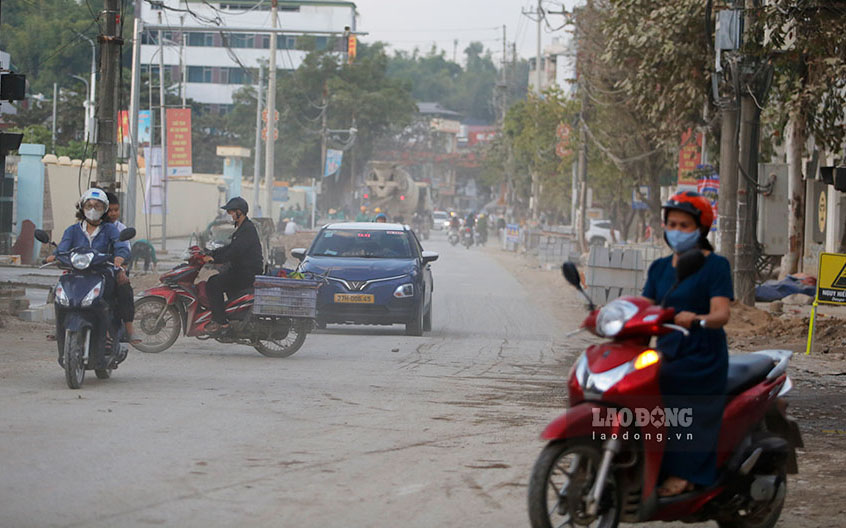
[(429, 256), (571, 273), (42, 236), (689, 263), (127, 234), (298, 253)]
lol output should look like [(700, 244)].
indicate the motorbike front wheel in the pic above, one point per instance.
[(282, 348), (561, 481), (156, 334), (74, 359)]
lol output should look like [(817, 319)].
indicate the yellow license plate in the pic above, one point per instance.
[(354, 299)]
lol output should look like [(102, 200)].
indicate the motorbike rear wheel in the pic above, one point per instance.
[(74, 363), (562, 478), (282, 348), (156, 337), (760, 515)]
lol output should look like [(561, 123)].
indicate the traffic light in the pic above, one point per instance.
[(12, 88)]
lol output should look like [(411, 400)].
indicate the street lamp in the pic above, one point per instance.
[(86, 104), (92, 92)]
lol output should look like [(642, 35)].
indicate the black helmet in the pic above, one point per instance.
[(237, 203)]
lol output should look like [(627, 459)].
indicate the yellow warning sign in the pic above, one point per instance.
[(831, 279)]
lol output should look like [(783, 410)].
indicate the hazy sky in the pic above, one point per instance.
[(407, 24)]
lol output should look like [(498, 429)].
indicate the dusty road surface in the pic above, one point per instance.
[(362, 427)]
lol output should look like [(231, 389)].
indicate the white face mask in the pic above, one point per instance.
[(93, 214)]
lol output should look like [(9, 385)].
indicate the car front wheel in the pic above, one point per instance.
[(415, 327)]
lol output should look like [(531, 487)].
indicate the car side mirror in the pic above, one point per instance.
[(127, 234), (298, 253), (430, 256), (42, 236)]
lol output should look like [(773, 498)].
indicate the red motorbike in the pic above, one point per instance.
[(178, 304), (602, 461)]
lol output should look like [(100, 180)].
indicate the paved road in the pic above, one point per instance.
[(362, 427)]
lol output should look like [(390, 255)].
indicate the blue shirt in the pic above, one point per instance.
[(106, 240)]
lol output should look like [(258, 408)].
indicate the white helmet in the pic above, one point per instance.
[(94, 194)]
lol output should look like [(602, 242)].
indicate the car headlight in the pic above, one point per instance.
[(404, 291), (613, 316), (81, 261), (92, 295), (61, 296)]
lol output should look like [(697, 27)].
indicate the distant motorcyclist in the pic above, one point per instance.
[(245, 261), (482, 228), (470, 221), (455, 222), (381, 218), (362, 215)]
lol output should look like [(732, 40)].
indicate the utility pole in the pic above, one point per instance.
[(257, 157), (55, 100), (110, 42), (539, 62), (183, 70), (163, 135), (323, 133), (727, 205), (269, 173), (747, 192), (128, 209)]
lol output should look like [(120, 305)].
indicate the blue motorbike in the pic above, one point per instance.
[(88, 331)]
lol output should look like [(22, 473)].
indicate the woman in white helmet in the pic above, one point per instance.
[(93, 230)]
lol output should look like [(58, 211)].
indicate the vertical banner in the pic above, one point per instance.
[(333, 162), (144, 127), (179, 142), (153, 183), (708, 185), (690, 155), (123, 127), (352, 45)]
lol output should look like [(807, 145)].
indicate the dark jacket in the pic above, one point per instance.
[(244, 252)]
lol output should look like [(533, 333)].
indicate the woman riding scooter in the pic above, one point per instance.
[(693, 374), (103, 236)]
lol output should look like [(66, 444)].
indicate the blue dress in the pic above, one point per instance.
[(693, 374)]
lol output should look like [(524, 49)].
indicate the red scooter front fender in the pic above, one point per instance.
[(166, 293), (579, 421)]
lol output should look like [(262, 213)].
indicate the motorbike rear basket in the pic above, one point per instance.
[(276, 296)]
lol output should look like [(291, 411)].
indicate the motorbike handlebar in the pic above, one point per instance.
[(677, 328)]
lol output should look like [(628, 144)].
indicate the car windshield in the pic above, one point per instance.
[(362, 243), (440, 216)]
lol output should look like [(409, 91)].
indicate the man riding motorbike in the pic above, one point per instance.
[(102, 236), (244, 256), (124, 292), (381, 218)]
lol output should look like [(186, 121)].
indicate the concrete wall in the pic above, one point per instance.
[(193, 201)]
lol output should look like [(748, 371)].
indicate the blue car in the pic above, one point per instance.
[(378, 275)]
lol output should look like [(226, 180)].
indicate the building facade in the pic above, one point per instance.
[(206, 61)]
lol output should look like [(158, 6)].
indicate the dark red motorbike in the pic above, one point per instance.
[(178, 304), (602, 461)]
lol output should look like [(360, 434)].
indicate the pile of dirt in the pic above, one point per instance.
[(747, 320), (753, 328)]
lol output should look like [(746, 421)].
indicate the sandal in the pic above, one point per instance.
[(674, 486)]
